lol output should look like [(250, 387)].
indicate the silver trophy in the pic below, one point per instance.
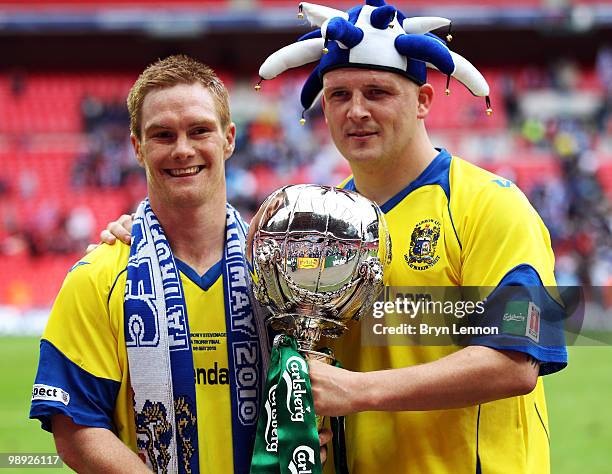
[(318, 254)]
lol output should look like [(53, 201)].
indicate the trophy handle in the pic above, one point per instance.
[(268, 291), (371, 271)]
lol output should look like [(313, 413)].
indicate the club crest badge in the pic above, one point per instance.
[(423, 244)]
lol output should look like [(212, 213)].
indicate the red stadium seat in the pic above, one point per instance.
[(604, 174), (42, 136)]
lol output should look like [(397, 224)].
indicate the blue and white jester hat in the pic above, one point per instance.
[(372, 36)]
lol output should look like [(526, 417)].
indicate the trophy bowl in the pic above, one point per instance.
[(317, 255)]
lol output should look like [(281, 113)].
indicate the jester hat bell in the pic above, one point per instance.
[(372, 36)]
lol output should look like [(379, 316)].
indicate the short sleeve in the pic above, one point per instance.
[(79, 374), (525, 318), (506, 252), (62, 387)]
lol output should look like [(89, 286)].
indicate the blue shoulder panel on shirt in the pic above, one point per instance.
[(506, 309), (92, 399), (436, 173)]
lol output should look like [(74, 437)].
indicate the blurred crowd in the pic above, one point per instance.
[(575, 205), (108, 161), (49, 230), (274, 149)]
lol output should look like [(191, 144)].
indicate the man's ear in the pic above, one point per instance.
[(230, 140), (137, 149), (425, 99)]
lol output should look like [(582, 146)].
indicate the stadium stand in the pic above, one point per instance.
[(68, 167)]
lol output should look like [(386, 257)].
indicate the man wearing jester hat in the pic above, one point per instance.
[(446, 409), (430, 409)]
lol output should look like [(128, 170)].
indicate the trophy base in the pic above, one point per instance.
[(306, 327)]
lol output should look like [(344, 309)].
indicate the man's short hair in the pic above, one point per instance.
[(172, 71)]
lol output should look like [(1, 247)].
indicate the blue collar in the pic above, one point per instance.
[(205, 281), (436, 173)]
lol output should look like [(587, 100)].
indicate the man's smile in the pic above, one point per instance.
[(181, 172), (361, 134)]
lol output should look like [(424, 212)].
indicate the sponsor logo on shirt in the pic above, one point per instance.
[(423, 243), (522, 318), (504, 183), (212, 375), (77, 265), (49, 393)]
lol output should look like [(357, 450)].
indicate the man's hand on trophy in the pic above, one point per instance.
[(336, 391), (325, 436), (119, 229)]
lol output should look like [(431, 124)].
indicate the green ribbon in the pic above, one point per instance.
[(287, 441)]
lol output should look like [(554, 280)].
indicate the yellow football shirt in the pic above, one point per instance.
[(83, 354), (457, 225)]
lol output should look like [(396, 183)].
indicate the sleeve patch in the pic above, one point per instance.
[(529, 319), (522, 318), (49, 393)]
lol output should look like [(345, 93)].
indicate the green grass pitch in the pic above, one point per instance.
[(579, 405)]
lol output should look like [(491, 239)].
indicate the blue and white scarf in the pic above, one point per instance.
[(159, 349)]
